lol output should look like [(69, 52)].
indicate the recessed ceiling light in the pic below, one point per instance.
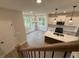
[(70, 21), (64, 11), (39, 1), (55, 21)]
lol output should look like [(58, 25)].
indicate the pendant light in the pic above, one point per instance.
[(72, 13), (55, 14), (38, 1)]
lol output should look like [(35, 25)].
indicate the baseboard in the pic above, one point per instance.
[(4, 56), (13, 53), (22, 43)]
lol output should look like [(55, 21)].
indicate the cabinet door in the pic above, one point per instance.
[(61, 18), (7, 37)]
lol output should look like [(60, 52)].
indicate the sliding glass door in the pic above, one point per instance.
[(38, 23), (29, 25), (42, 23)]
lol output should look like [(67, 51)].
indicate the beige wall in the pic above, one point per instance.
[(15, 17)]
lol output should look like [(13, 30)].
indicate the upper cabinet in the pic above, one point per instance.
[(75, 20), (53, 20)]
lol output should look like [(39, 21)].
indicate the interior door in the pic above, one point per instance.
[(7, 37)]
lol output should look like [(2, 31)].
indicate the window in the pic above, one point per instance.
[(41, 21), (27, 22), (29, 25)]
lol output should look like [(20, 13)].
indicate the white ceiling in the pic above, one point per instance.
[(45, 7)]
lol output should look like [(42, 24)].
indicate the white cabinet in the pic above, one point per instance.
[(51, 20), (75, 20), (68, 25)]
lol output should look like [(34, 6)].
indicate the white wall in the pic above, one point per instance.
[(11, 29)]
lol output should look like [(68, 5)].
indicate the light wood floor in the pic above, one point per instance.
[(34, 39)]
